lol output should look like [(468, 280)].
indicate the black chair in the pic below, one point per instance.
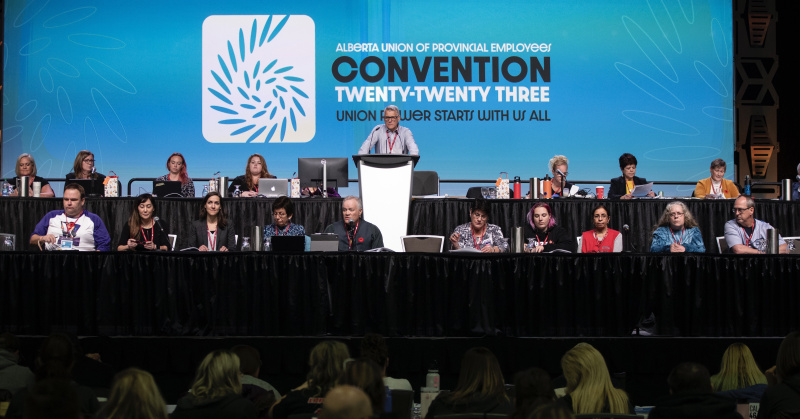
[(474, 192), (425, 183)]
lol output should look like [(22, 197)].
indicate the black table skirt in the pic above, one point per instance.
[(396, 294)]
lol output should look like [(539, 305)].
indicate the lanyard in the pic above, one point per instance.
[(716, 191), (542, 243), (746, 238), (674, 239), (152, 233), (478, 242), (68, 227), (212, 239), (349, 239), (391, 144), (285, 232)]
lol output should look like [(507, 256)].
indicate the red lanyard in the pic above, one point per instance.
[(212, 240), (285, 232), (391, 144), (69, 226), (479, 241), (349, 239), (152, 232), (747, 239), (717, 191), (674, 239), (542, 243)]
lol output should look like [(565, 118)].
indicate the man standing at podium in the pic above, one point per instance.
[(390, 137)]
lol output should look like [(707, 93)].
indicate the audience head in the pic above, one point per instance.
[(788, 363), (176, 165), (600, 217), (326, 363), (53, 398), (540, 217), (743, 208), (351, 209), (589, 382), (553, 410), (533, 389), (217, 376), (689, 378), (134, 394), (627, 163), (282, 211), (346, 402), (480, 376), (212, 206), (677, 216), (738, 369), (249, 359), (56, 358), (479, 214), (84, 162), (373, 346), (26, 165), (366, 374)]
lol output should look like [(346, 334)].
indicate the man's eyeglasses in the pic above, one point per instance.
[(738, 210), (390, 118)]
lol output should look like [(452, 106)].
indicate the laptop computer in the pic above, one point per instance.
[(324, 243), (288, 243), (90, 187), (167, 188), (273, 188)]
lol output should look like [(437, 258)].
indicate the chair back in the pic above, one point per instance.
[(425, 182), (722, 245), (423, 244), (173, 238)]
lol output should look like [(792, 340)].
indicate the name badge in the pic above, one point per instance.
[(69, 243)]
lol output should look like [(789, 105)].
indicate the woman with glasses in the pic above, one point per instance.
[(543, 234), (83, 167), (478, 234), (558, 167), (212, 232), (176, 165), (715, 187), (390, 137), (601, 239), (282, 225), (677, 231)]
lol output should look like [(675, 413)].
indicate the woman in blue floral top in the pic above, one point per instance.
[(677, 231), (282, 213), (478, 233)]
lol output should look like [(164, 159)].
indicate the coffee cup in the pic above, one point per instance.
[(37, 189), (599, 191)]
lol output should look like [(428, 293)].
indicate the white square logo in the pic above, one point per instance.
[(258, 79)]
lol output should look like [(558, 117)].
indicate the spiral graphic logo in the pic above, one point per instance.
[(258, 79)]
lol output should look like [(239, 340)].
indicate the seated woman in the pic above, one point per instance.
[(739, 377), (141, 232), (282, 213), (212, 232), (248, 183), (134, 394), (715, 187), (621, 187), (82, 167), (478, 233), (326, 364), (544, 234), (602, 239), (480, 388), (677, 231), (176, 165), (26, 166), (589, 388), (217, 391)]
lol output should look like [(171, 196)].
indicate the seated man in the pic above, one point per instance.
[(346, 402), (72, 228), (745, 234), (690, 396), (353, 232)]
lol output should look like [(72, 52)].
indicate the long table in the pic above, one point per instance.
[(427, 216), (396, 294)]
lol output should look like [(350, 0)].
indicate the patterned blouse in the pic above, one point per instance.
[(187, 189), (492, 237)]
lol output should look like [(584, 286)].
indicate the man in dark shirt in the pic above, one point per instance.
[(691, 396)]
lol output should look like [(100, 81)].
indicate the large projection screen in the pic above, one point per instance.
[(486, 87)]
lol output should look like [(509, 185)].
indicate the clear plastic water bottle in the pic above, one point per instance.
[(237, 193), (205, 190), (245, 244), (8, 244), (5, 188)]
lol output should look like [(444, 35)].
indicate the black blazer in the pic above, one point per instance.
[(198, 236), (617, 188)]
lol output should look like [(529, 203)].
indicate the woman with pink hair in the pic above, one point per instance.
[(543, 234)]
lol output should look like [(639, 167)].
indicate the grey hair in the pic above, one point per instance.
[(557, 160), (357, 199), (392, 108), (748, 201)]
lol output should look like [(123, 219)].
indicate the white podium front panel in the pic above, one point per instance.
[(386, 195)]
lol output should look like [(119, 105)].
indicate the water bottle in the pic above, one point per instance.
[(747, 185), (237, 193), (8, 244), (245, 244), (517, 188), (5, 188), (432, 379), (205, 190)]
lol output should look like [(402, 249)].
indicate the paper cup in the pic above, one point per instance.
[(37, 189), (599, 191)]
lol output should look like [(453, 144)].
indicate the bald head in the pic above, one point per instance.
[(346, 402)]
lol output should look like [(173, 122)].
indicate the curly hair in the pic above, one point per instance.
[(688, 218)]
